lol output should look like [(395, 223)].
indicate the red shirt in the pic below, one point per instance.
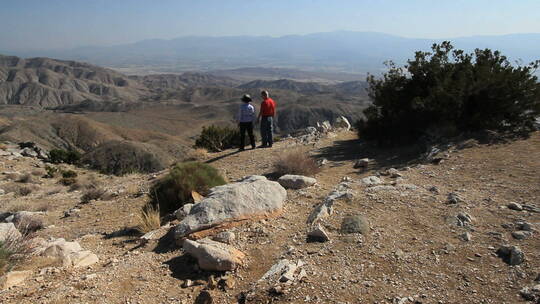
[(268, 107)]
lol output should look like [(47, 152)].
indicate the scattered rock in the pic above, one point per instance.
[(434, 189), (226, 237), (325, 208), (254, 196), (14, 278), (290, 181), (531, 293), (524, 226), (204, 297), (521, 235), (454, 198), (381, 188), (466, 236), (371, 180), (342, 123), (514, 206), (214, 256), (355, 224), (183, 211), (282, 271), (318, 234), (462, 219), (512, 255), (362, 163)]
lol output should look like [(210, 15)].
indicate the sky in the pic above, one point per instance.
[(57, 24)]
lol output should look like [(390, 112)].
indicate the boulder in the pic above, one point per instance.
[(214, 256), (183, 211), (254, 196), (290, 181), (60, 249), (14, 278), (81, 259), (342, 123), (511, 255), (8, 231)]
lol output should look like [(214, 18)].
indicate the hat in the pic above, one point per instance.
[(246, 98)]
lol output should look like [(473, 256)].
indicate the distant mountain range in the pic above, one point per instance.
[(342, 51)]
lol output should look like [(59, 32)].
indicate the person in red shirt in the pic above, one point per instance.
[(266, 117)]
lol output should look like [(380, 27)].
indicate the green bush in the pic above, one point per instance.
[(450, 92), (215, 138), (62, 156), (174, 190), (51, 171)]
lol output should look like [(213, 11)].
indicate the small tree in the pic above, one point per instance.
[(215, 138), (451, 91)]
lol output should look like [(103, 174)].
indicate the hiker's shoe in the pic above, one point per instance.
[(263, 146), (241, 149)]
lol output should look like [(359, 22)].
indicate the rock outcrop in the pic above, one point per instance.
[(214, 256), (253, 197)]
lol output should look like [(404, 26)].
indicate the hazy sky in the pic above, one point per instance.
[(45, 24)]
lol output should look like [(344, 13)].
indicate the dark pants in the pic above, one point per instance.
[(266, 130), (246, 127)]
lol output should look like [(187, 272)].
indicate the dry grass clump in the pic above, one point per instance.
[(148, 219), (24, 191), (95, 194), (38, 172), (13, 250), (296, 162), (25, 178), (28, 224), (67, 181), (17, 206)]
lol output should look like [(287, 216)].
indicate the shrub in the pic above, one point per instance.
[(25, 178), (174, 190), (93, 194), (69, 174), (149, 218), (24, 191), (124, 157), (51, 171), (215, 138), (28, 224), (64, 156), (296, 162), (68, 181), (450, 91)]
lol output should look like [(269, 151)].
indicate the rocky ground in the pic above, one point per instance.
[(428, 232)]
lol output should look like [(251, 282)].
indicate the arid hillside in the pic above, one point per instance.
[(432, 230)]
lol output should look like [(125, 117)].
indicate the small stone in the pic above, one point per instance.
[(371, 180), (204, 297), (187, 283), (514, 206), (466, 236), (521, 235), (226, 237), (362, 163), (318, 234), (290, 181), (454, 198)]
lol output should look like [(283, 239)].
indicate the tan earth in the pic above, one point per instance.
[(413, 253)]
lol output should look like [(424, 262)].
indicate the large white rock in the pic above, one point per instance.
[(8, 231), (291, 181), (342, 123), (214, 256), (254, 196), (60, 249)]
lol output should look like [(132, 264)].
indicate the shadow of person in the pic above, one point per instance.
[(221, 157)]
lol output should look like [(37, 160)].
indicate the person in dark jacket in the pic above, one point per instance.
[(246, 116)]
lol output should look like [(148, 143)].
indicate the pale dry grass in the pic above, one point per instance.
[(15, 250), (148, 219), (296, 162)]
